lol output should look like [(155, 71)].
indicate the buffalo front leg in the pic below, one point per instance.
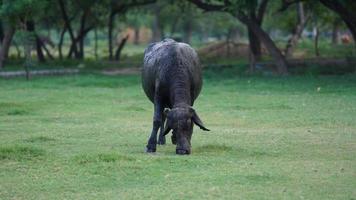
[(157, 120), (161, 137)]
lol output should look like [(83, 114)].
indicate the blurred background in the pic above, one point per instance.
[(279, 96), (259, 36)]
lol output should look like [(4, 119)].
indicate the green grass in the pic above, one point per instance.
[(82, 137)]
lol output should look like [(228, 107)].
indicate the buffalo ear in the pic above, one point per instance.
[(198, 121)]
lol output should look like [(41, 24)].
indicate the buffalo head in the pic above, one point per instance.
[(181, 120)]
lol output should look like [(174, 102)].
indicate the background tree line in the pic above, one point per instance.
[(59, 29)]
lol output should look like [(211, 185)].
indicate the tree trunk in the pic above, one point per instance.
[(252, 61), (73, 45), (187, 28), (335, 34), (68, 26), (60, 44), (1, 32), (30, 38), (110, 31), (82, 34), (96, 44), (81, 48), (279, 59), (121, 46), (28, 60), (5, 43), (316, 42), (46, 50), (79, 39), (256, 14), (40, 56), (255, 44), (137, 36), (157, 31), (228, 40), (297, 32)]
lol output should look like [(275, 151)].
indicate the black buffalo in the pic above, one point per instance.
[(171, 78)]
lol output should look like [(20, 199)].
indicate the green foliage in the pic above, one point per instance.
[(290, 17), (243, 5), (24, 9), (137, 18)]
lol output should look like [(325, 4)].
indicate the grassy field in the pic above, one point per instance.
[(83, 137)]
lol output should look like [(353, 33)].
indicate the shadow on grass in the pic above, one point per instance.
[(215, 149), (19, 153), (102, 157), (9, 108), (258, 179), (264, 107), (167, 152), (39, 139)]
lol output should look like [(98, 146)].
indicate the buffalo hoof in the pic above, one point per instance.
[(150, 150), (182, 152), (162, 141)]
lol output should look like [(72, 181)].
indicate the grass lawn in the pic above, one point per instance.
[(83, 137)]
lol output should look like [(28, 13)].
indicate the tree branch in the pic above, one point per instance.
[(208, 6), (66, 19), (261, 11), (286, 4), (117, 8)]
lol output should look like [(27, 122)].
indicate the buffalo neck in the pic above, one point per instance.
[(180, 90)]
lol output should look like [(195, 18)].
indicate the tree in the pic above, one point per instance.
[(244, 11), (21, 12), (297, 29), (86, 23), (136, 19), (120, 7), (171, 22), (344, 8), (320, 17), (8, 32), (256, 13)]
